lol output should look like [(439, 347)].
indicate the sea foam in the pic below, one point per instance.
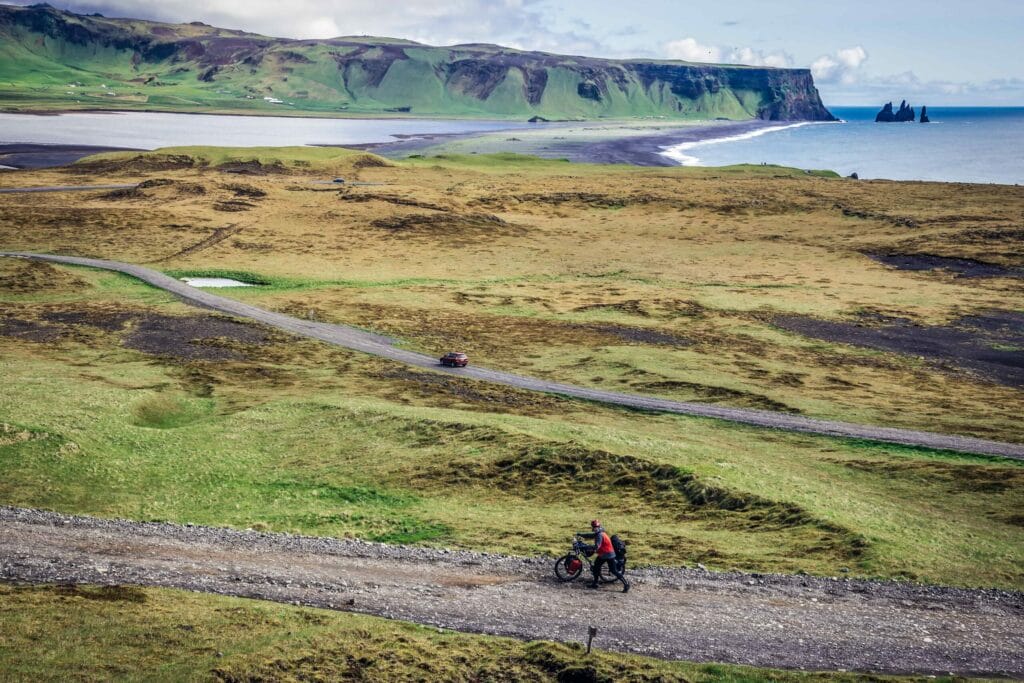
[(678, 152)]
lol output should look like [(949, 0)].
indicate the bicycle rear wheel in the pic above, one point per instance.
[(607, 575)]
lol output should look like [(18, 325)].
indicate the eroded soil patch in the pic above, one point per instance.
[(991, 345), (203, 337), (962, 267), (28, 330), (199, 337)]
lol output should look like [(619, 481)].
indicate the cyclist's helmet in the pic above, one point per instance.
[(594, 523)]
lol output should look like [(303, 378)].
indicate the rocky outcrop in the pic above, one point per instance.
[(367, 75), (887, 115), (924, 115), (906, 113)]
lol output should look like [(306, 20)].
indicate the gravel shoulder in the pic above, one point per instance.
[(365, 342), (760, 620)]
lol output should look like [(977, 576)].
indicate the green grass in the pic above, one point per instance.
[(145, 634), (305, 158), (163, 411)]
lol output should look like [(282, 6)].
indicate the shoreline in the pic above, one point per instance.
[(640, 142), (676, 152), (619, 145), (651, 150)]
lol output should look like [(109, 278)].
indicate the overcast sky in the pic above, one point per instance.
[(932, 52)]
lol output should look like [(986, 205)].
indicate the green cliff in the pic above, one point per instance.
[(51, 59)]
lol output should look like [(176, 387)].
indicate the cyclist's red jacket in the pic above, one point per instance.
[(603, 542)]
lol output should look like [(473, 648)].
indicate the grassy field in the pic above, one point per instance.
[(118, 400), (167, 413), (176, 636)]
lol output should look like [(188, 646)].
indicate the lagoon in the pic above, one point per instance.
[(150, 130)]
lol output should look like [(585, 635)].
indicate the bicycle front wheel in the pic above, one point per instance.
[(568, 568)]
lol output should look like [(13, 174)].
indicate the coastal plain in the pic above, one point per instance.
[(894, 304)]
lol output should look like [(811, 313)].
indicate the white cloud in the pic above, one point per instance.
[(690, 50), (852, 57), (843, 66), (507, 22)]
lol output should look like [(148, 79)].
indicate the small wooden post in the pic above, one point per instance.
[(591, 632)]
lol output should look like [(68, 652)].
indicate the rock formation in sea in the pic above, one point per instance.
[(905, 113), (924, 115)]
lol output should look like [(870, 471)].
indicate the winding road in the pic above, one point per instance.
[(760, 620), (66, 188), (358, 340)]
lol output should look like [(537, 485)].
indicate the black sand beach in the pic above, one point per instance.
[(553, 142), (603, 143), (28, 156)]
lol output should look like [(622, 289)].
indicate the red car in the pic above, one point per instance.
[(455, 360)]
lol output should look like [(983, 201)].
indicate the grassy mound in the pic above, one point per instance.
[(242, 160), (544, 471)]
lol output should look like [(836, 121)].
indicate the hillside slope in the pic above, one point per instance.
[(52, 59)]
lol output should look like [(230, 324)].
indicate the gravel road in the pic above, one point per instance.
[(761, 620), (377, 345), (65, 188)]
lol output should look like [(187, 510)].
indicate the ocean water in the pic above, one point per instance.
[(148, 130), (962, 144)]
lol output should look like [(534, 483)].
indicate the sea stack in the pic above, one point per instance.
[(924, 115), (906, 113), (887, 115)]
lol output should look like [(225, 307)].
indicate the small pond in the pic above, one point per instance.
[(215, 282)]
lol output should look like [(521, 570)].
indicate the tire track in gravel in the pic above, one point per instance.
[(378, 345), (759, 620)]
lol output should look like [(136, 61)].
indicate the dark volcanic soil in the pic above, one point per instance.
[(29, 156), (990, 345), (193, 337), (962, 267), (199, 337)]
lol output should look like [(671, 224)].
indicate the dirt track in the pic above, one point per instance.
[(763, 620), (377, 345), (65, 188)]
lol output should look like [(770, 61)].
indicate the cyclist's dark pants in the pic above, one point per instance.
[(613, 566)]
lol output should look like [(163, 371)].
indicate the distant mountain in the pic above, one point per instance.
[(52, 59)]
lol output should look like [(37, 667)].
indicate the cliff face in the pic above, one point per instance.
[(152, 65)]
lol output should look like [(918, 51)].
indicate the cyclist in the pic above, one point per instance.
[(605, 554)]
